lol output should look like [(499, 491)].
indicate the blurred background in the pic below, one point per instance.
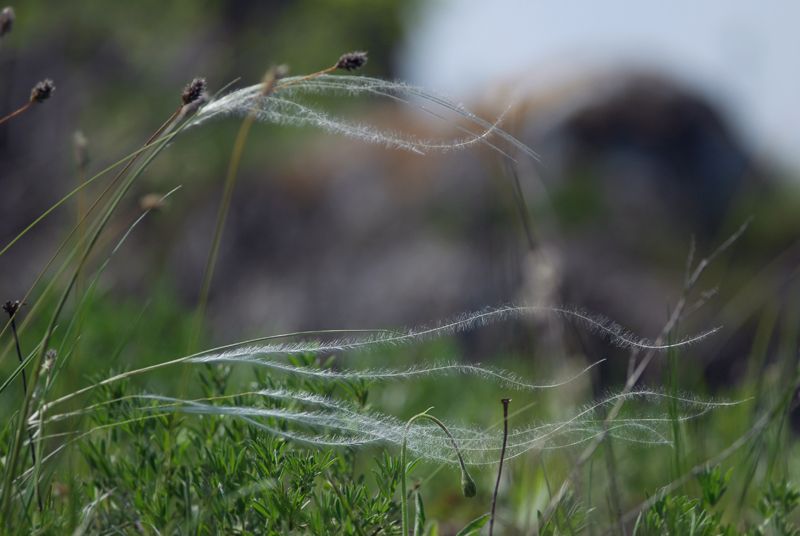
[(659, 125)]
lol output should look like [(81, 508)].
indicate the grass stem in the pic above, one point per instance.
[(505, 402)]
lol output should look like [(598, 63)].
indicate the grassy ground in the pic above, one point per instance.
[(110, 425)]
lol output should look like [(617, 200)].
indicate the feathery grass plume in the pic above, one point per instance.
[(7, 18), (251, 352), (598, 324), (286, 106), (333, 423)]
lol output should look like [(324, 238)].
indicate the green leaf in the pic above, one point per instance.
[(474, 526), (419, 517)]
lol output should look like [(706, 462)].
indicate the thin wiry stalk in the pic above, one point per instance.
[(505, 402), (467, 484), (636, 372), (154, 140), (22, 109), (267, 85), (74, 251), (12, 310), (18, 438), (784, 403), (53, 373)]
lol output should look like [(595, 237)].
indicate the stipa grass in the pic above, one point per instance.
[(285, 106), (334, 423)]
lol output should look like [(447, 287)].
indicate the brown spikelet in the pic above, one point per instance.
[(194, 91), (42, 90), (352, 61)]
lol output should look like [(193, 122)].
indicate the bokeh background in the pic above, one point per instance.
[(658, 124)]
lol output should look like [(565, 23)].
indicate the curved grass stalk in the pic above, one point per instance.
[(467, 483), (596, 323)]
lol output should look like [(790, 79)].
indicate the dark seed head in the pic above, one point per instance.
[(11, 307), (6, 20), (42, 90), (352, 61), (194, 91)]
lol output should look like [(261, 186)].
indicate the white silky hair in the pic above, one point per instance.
[(285, 106)]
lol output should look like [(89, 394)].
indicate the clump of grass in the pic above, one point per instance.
[(282, 454)]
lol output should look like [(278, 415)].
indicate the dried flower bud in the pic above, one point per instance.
[(11, 307), (352, 61), (468, 486), (42, 90), (151, 202), (6, 20), (194, 91)]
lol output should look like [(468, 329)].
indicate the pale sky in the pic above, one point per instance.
[(746, 53)]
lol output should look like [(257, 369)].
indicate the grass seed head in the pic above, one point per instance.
[(42, 90), (7, 18), (194, 91), (11, 307), (352, 61)]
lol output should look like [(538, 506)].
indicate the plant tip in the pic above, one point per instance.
[(468, 486), (42, 90), (7, 18), (352, 61), (194, 91), (81, 147), (11, 307), (151, 202)]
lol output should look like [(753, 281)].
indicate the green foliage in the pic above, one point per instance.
[(681, 514), (215, 474)]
